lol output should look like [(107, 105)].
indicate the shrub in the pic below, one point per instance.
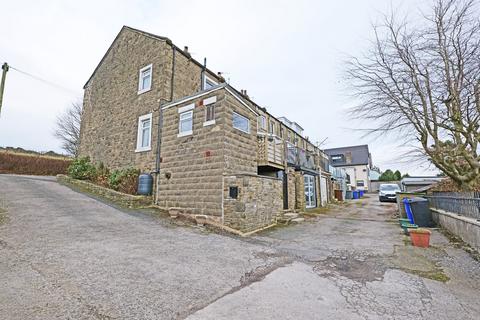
[(83, 169), (103, 174), (124, 180)]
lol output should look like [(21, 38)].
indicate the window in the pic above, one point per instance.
[(185, 124), (233, 192), (337, 158), (271, 129), (241, 123), (208, 83), (262, 122), (281, 131), (145, 79), (360, 183), (144, 133), (209, 111)]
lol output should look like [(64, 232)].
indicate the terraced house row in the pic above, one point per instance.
[(211, 149)]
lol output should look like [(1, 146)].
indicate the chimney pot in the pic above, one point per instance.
[(185, 48)]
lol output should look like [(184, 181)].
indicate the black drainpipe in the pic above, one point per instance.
[(160, 123)]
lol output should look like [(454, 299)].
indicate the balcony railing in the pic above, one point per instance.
[(270, 151), (300, 158)]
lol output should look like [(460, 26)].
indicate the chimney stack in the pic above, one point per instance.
[(185, 50)]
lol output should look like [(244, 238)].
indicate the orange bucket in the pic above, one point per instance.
[(420, 237)]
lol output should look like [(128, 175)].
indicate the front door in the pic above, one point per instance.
[(323, 191), (310, 201)]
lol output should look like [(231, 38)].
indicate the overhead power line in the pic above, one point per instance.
[(50, 83)]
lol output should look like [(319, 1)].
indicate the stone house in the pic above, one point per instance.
[(211, 149)]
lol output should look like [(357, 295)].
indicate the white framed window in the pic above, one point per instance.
[(185, 124), (144, 133), (241, 123), (208, 82), (262, 122), (145, 79)]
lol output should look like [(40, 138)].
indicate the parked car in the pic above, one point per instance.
[(388, 192)]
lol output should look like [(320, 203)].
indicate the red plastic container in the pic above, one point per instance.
[(420, 237)]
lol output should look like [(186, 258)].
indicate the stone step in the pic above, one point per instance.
[(291, 215)]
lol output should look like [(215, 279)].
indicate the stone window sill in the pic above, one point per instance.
[(184, 134), (209, 123), (143, 149)]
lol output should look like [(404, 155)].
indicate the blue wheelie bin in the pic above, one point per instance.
[(355, 194), (408, 209)]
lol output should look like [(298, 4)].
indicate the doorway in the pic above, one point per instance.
[(310, 198)]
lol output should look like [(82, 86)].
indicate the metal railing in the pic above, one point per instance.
[(468, 207)]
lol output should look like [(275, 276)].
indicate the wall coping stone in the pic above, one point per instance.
[(251, 175), (457, 216)]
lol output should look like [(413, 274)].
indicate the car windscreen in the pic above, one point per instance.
[(388, 187)]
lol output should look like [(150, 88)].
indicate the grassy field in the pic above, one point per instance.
[(34, 164)]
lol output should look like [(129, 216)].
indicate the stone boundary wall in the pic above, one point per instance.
[(467, 229), (122, 199), (258, 204)]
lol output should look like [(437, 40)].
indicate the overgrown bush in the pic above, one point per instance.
[(82, 169), (18, 163), (103, 175), (124, 180)]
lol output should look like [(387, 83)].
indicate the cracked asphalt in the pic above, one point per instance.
[(65, 255)]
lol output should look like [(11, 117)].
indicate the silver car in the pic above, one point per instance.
[(388, 192)]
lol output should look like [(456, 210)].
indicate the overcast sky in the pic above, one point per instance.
[(288, 55)]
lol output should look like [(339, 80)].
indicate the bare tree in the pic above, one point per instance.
[(68, 128), (422, 82)]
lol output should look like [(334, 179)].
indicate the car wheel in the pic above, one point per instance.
[(380, 199)]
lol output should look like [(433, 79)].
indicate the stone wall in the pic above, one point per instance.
[(299, 191), (112, 104), (122, 199), (468, 229), (240, 147), (191, 167), (291, 188), (259, 201)]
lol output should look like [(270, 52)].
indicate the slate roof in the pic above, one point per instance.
[(359, 155)]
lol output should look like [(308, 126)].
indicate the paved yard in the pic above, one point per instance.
[(65, 255)]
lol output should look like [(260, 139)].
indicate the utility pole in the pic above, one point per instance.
[(2, 84)]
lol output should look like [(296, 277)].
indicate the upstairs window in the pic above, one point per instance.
[(208, 83), (210, 113), (241, 123), (145, 79), (144, 133), (271, 128), (262, 123), (185, 124), (338, 158)]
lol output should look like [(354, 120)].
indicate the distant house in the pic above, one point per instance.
[(357, 162), (409, 184)]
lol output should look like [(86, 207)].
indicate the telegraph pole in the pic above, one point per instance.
[(2, 84)]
